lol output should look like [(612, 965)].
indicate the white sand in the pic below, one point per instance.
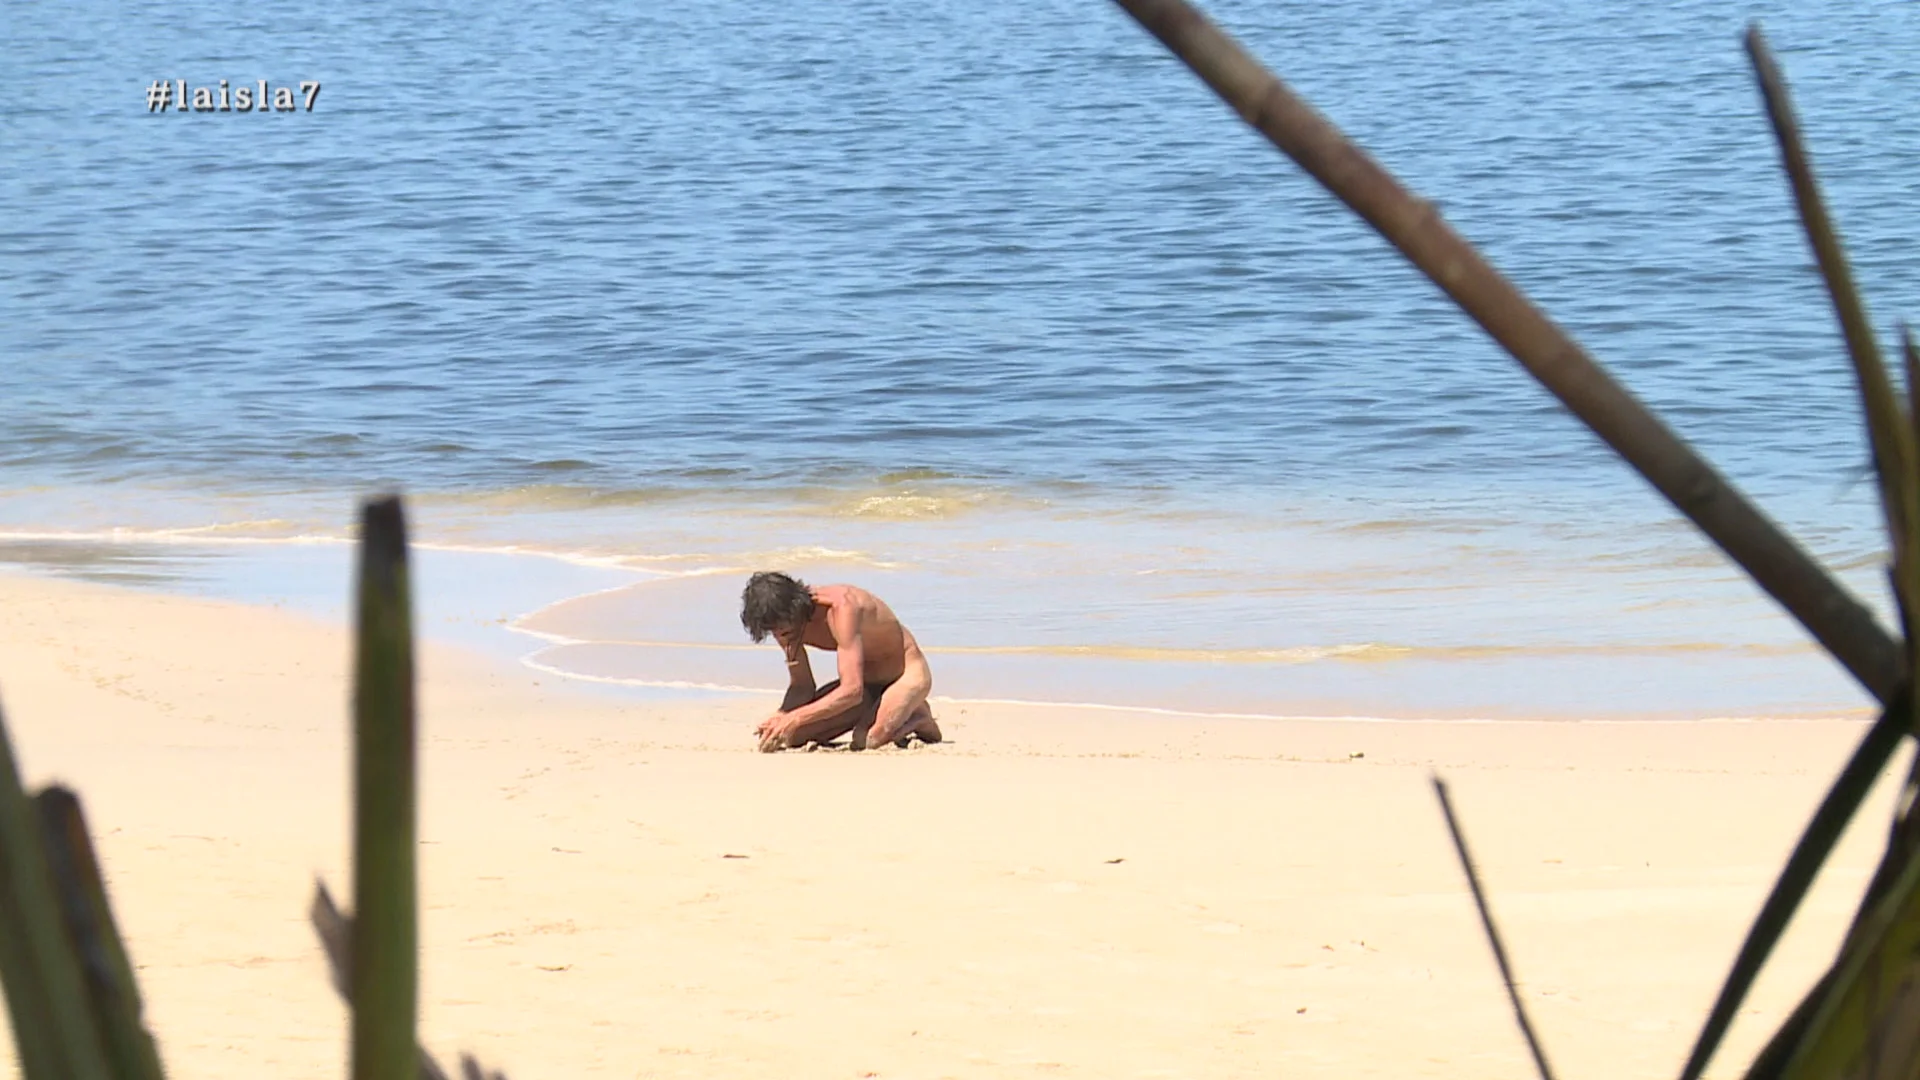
[(1056, 893)]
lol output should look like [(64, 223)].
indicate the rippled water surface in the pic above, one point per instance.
[(992, 296)]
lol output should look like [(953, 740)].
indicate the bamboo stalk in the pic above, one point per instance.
[(28, 1008), (1903, 846), (105, 968), (1893, 439), (385, 975), (1835, 618), (336, 940), (1867, 1023), (1771, 1062), (1903, 839), (1889, 432), (53, 1027), (1911, 354), (1910, 481), (1796, 878), (1493, 933)]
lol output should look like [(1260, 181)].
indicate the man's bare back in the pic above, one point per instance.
[(881, 694)]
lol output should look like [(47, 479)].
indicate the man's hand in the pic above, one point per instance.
[(773, 732)]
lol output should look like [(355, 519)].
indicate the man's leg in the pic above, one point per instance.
[(829, 728), (920, 725), (903, 711), (800, 695)]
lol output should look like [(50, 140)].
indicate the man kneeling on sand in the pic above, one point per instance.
[(881, 694)]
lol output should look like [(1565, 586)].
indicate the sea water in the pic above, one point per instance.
[(992, 308)]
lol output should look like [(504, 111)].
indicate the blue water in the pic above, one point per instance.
[(979, 293)]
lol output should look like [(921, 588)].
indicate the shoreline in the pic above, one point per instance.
[(507, 593), (1263, 613)]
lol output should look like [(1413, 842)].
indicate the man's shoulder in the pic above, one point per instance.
[(848, 600)]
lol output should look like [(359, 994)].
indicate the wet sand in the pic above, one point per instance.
[(615, 887)]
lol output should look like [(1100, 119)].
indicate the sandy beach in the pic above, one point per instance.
[(625, 888)]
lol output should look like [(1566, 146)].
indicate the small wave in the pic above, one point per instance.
[(269, 533), (228, 533), (533, 663), (904, 495), (1816, 717), (592, 559), (790, 557), (1361, 652), (1382, 652), (944, 701), (905, 507), (1872, 560), (902, 476), (557, 497), (945, 501), (1422, 526), (268, 528)]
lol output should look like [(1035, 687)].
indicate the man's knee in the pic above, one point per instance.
[(891, 724)]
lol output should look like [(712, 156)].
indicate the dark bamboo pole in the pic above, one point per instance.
[(1833, 616), (385, 973), (1822, 834), (1889, 434), (55, 1031), (1493, 932), (1891, 438), (106, 970), (335, 930)]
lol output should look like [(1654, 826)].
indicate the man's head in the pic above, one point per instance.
[(773, 603)]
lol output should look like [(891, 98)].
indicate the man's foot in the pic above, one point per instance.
[(926, 730), (920, 725)]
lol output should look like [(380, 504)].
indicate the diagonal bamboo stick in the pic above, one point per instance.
[(1902, 841), (1910, 354), (1866, 1023), (1833, 616), (1493, 933), (1823, 832), (106, 971), (1889, 434)]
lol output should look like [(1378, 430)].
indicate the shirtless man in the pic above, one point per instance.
[(881, 694)]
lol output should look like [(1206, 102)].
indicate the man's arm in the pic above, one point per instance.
[(800, 688), (845, 623)]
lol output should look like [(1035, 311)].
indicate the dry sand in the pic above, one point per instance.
[(626, 889)]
